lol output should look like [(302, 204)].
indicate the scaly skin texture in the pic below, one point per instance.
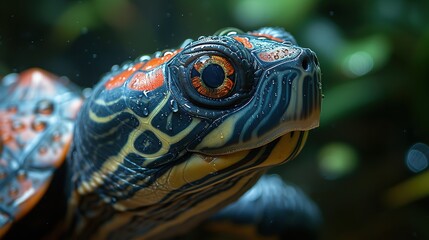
[(169, 139)]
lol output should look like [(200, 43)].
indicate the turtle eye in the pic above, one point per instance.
[(213, 76)]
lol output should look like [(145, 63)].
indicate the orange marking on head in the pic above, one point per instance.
[(276, 54), (148, 81), (244, 41), (268, 36), (119, 79), (155, 62)]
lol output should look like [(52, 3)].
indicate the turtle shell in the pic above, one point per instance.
[(37, 113)]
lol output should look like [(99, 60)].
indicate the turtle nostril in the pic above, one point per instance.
[(305, 63)]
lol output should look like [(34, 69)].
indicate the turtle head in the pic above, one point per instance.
[(251, 87), (179, 134), (220, 96)]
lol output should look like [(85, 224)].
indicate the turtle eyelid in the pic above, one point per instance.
[(229, 31)]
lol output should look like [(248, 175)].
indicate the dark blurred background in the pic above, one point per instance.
[(365, 167)]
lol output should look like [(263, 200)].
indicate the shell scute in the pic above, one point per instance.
[(37, 115)]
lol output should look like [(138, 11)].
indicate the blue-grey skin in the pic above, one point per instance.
[(132, 149), (272, 208)]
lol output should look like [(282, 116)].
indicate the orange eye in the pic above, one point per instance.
[(213, 76)]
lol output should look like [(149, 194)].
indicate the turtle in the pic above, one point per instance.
[(160, 143)]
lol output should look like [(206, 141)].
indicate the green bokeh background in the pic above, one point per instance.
[(374, 56)]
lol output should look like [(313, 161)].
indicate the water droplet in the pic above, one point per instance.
[(157, 54), (3, 174), (221, 135), (12, 109), (169, 126), (38, 125), (13, 192), (21, 175), (9, 79), (174, 106), (145, 111), (6, 138), (17, 125), (144, 58), (115, 68), (56, 136), (126, 65), (45, 107), (43, 150), (167, 53), (86, 92)]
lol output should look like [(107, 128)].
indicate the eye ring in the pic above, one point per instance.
[(213, 76)]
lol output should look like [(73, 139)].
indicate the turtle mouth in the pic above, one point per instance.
[(222, 167), (264, 140)]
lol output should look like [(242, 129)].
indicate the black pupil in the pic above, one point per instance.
[(213, 75)]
